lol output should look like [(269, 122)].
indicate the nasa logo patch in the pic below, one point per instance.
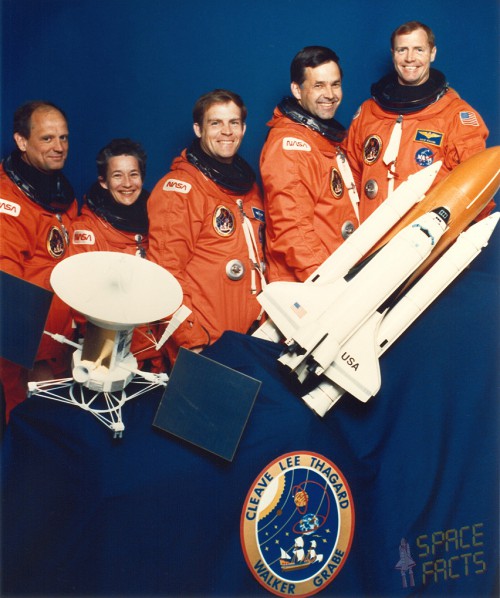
[(55, 242), (9, 207), (223, 221), (336, 184), (297, 524), (424, 157), (295, 144), (371, 149), (83, 237), (176, 185)]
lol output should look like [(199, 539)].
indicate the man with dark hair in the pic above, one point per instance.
[(309, 194), (206, 224), (23, 116), (412, 120), (38, 204)]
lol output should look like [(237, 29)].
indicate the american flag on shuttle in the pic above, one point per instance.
[(469, 118), (298, 309)]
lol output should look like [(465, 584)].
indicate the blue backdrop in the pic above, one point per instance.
[(135, 67), (82, 517)]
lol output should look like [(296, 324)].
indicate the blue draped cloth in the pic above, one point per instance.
[(87, 514)]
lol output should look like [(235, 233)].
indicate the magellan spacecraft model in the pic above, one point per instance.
[(115, 292)]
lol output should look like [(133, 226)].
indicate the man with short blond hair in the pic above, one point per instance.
[(206, 226), (413, 119)]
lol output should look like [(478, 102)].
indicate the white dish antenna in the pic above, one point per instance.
[(116, 290)]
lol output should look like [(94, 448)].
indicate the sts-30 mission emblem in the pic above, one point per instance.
[(297, 524), (372, 147), (336, 184), (223, 221), (55, 242)]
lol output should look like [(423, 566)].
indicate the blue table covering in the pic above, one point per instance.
[(87, 514)]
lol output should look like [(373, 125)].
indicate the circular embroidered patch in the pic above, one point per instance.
[(424, 157), (55, 242), (336, 184), (223, 221), (371, 149), (297, 524)]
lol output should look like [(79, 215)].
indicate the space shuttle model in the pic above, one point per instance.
[(337, 323)]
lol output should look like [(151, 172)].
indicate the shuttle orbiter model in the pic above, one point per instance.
[(338, 322)]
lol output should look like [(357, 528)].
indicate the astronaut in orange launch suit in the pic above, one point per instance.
[(114, 217), (37, 207), (206, 226), (310, 197), (412, 120)]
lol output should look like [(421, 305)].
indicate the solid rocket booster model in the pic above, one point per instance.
[(352, 305), (358, 371), (358, 244), (387, 215), (339, 321)]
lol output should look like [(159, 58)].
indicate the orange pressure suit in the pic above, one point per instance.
[(33, 239), (106, 225), (100, 227), (196, 231), (436, 124), (307, 197)]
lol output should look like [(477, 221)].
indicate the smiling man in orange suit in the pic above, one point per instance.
[(206, 226), (310, 197), (38, 204), (413, 119)]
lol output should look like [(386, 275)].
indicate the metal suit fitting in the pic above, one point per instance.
[(347, 229), (235, 270), (371, 188)]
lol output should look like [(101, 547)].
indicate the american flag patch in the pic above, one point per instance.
[(469, 118), (298, 310)]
